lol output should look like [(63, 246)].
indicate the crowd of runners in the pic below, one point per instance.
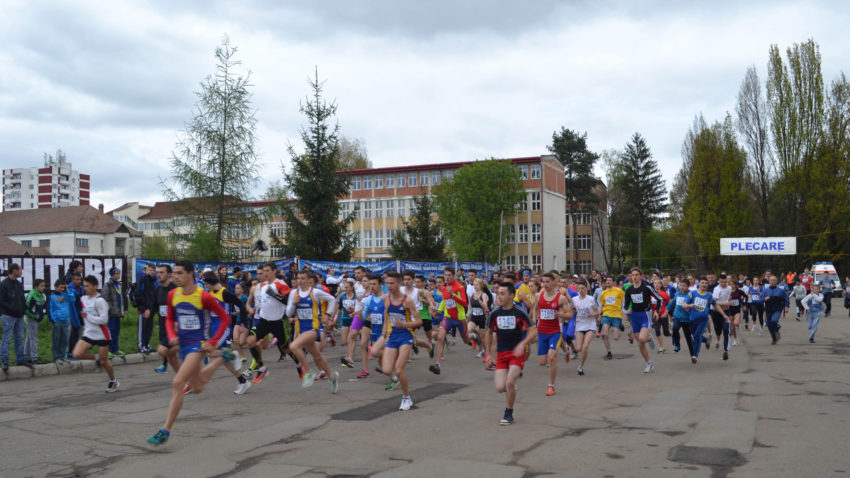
[(208, 320)]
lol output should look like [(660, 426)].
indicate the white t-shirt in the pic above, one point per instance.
[(584, 309), (97, 316), (722, 294)]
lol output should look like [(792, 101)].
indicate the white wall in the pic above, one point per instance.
[(554, 225)]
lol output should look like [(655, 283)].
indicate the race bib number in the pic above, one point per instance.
[(583, 311), (163, 310), (376, 319), (735, 303), (680, 301), (637, 298), (189, 322), (547, 314), (700, 304), (506, 322), (477, 311), (755, 297), (398, 320), (451, 304), (611, 300), (348, 303), (304, 314)]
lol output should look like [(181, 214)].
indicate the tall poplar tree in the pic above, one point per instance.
[(313, 228)]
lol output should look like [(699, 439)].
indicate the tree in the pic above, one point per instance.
[(753, 123), (276, 191), (214, 162), (420, 240), (472, 203), (157, 247), (313, 228), (570, 148), (352, 154), (645, 190)]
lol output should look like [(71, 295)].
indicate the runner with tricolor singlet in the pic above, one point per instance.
[(454, 297), (550, 311)]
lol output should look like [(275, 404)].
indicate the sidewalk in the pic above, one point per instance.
[(75, 366)]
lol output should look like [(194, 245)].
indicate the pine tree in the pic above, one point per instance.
[(313, 228), (420, 240), (645, 189)]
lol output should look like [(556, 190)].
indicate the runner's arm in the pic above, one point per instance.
[(328, 299), (211, 303), (169, 318), (231, 299)]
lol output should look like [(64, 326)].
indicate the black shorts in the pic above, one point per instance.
[(163, 333), (366, 323), (479, 320), (99, 343), (426, 324), (717, 321), (275, 327)]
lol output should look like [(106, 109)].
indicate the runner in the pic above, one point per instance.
[(587, 315), (425, 311), (611, 303), (190, 306), (309, 304), (228, 301), (401, 318), (722, 294), (95, 314), (272, 295), (638, 305), (479, 309), (698, 304), (455, 302), (756, 300), (551, 310), (349, 307), (507, 349), (661, 320), (776, 303), (681, 317), (168, 353), (813, 303), (373, 314), (417, 295), (737, 300)]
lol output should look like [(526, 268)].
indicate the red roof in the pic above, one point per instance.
[(429, 167)]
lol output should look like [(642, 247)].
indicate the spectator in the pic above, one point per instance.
[(75, 293), (113, 296), (12, 306), (146, 301), (36, 310), (60, 317), (234, 279), (221, 271)]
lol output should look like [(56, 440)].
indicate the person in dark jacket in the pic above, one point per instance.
[(146, 303), (114, 297), (12, 308), (74, 281)]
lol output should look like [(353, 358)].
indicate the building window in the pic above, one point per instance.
[(568, 243), (378, 210), (537, 262), (390, 236), (367, 239), (535, 201), (44, 243), (426, 179), (390, 181), (276, 228), (523, 171), (582, 218), (355, 183), (276, 251), (523, 233), (26, 243), (401, 212), (583, 242), (82, 242), (343, 210), (536, 232), (401, 178), (535, 171), (584, 267), (379, 182), (411, 180), (435, 178), (523, 261), (511, 234), (447, 175), (356, 239), (367, 209), (367, 182), (390, 208), (379, 238), (523, 205), (510, 262)]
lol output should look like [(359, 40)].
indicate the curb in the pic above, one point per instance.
[(19, 372)]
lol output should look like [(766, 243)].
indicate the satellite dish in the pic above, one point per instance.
[(259, 245)]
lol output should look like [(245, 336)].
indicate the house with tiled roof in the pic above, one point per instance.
[(73, 231)]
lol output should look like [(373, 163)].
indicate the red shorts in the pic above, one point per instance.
[(505, 359)]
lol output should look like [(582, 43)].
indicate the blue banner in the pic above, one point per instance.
[(282, 265), (321, 267), (429, 270), (483, 268)]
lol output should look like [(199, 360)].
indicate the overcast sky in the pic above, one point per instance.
[(112, 83)]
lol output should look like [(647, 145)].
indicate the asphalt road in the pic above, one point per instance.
[(768, 411)]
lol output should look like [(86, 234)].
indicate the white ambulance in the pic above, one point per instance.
[(822, 271)]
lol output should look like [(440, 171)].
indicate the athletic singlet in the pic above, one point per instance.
[(757, 294), (189, 311), (307, 312), (344, 302), (737, 299), (611, 301), (548, 312), (414, 296), (219, 296), (455, 299), (396, 315), (373, 310), (476, 310)]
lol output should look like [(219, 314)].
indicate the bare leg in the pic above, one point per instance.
[(190, 368)]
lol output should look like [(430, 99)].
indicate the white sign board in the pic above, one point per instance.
[(758, 246)]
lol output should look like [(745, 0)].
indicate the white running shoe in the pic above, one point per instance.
[(308, 379), (334, 382), (406, 403), (242, 388), (734, 342), (649, 367)]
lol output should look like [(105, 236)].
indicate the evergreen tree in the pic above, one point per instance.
[(214, 163), (645, 189), (471, 206), (420, 240), (313, 228), (570, 148)]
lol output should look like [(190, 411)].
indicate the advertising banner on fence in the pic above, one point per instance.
[(428, 269), (282, 265), (51, 268), (483, 268), (321, 267), (758, 246)]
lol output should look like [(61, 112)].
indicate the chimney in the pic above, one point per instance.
[(100, 207)]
